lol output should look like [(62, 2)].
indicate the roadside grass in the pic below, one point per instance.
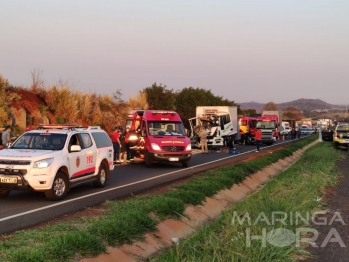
[(127, 221), (282, 207)]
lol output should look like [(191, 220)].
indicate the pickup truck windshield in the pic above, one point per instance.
[(40, 141), (266, 125), (165, 128)]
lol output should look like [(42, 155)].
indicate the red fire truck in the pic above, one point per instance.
[(159, 137)]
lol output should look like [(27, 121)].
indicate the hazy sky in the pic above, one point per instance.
[(242, 50)]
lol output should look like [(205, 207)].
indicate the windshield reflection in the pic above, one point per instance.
[(41, 141), (162, 128)]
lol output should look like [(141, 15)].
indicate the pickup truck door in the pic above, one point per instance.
[(76, 159), (88, 155)]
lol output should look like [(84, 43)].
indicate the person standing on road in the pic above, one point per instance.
[(127, 156), (293, 133), (281, 132), (6, 137), (132, 144), (123, 151), (258, 137), (203, 140), (115, 138), (299, 133), (276, 134)]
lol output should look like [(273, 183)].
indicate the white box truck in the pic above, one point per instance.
[(221, 123)]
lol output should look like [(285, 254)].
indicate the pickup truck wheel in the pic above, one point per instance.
[(185, 164), (147, 160), (59, 187), (101, 177), (4, 193)]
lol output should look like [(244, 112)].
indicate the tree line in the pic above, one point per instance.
[(65, 105)]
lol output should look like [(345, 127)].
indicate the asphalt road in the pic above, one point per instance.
[(23, 209)]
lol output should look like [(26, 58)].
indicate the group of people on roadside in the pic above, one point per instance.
[(294, 133), (123, 145)]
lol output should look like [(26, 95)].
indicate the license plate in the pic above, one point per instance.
[(9, 180), (173, 159), (346, 140)]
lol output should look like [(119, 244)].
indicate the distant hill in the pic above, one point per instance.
[(301, 104), (252, 105)]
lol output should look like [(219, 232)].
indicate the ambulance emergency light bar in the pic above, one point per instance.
[(56, 126), (163, 112)]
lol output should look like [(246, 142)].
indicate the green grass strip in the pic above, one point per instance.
[(295, 191), (127, 221)]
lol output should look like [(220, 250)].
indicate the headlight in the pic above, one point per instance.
[(43, 163), (188, 148), (155, 147)]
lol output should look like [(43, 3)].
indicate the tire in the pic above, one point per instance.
[(59, 187), (248, 140), (4, 193), (147, 160), (101, 179), (185, 164)]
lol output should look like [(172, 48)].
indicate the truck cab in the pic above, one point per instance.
[(221, 123), (286, 128), (267, 128), (160, 137), (247, 128)]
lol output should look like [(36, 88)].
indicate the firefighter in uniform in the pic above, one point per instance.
[(203, 140)]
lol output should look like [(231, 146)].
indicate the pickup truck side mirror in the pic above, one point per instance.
[(75, 148)]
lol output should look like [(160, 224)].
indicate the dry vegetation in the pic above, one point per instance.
[(62, 104)]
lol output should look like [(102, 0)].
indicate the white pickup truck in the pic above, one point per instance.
[(54, 159)]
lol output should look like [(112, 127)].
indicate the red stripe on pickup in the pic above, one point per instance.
[(84, 171)]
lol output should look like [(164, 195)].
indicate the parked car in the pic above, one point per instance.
[(54, 159), (309, 131), (341, 136), (303, 130), (327, 134)]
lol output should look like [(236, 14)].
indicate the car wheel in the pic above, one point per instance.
[(185, 164), (147, 160), (59, 187), (101, 177), (4, 193)]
